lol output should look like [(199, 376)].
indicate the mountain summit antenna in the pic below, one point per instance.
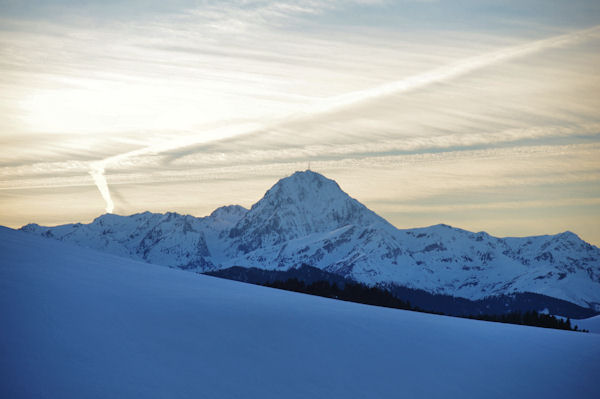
[(308, 166)]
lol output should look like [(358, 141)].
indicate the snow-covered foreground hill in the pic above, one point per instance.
[(591, 324), (307, 219), (76, 323)]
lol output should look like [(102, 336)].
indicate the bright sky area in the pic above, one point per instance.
[(482, 115)]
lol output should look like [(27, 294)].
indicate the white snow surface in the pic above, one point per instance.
[(78, 323), (307, 218), (592, 324)]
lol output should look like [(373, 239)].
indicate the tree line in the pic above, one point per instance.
[(362, 293)]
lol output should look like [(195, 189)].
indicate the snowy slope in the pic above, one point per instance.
[(591, 324), (81, 323), (307, 218)]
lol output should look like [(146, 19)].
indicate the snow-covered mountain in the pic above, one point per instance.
[(169, 239), (307, 219), (78, 323)]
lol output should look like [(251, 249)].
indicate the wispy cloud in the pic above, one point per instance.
[(230, 90), (438, 75)]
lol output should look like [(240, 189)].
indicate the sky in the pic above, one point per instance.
[(478, 114)]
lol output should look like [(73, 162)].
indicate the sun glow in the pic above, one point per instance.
[(107, 109), (99, 106)]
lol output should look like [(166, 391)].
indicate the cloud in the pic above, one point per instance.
[(419, 81), (231, 92)]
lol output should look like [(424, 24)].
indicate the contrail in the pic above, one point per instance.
[(450, 71), (335, 103), (97, 168), (97, 173)]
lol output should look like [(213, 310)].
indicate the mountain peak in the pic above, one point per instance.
[(308, 176), (569, 235), (299, 205), (227, 210), (304, 187), (227, 216)]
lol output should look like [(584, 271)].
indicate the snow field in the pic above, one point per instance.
[(77, 323)]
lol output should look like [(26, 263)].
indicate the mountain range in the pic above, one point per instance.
[(306, 219)]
